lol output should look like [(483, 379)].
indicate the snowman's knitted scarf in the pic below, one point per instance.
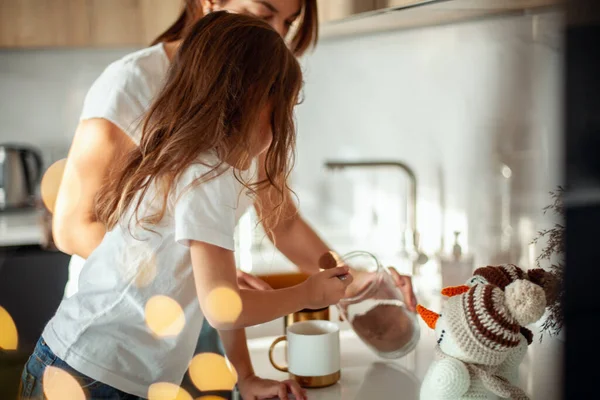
[(488, 377)]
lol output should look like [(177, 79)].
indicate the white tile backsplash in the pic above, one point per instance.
[(42, 92), (457, 103)]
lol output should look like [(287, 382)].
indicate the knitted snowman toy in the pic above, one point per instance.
[(502, 276), (480, 343)]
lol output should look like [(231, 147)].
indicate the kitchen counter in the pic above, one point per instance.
[(365, 376), (21, 228)]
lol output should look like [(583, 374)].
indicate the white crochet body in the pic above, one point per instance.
[(451, 379)]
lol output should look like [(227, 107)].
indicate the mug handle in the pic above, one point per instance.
[(278, 367)]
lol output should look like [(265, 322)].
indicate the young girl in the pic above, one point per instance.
[(170, 211)]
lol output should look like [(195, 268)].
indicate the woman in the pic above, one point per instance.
[(109, 128), (170, 207)]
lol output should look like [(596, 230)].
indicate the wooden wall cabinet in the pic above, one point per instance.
[(335, 10), (84, 23), (354, 17), (41, 23)]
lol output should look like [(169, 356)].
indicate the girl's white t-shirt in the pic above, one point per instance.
[(122, 95), (135, 319), (103, 327)]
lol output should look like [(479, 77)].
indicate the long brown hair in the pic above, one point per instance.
[(217, 86), (305, 34)]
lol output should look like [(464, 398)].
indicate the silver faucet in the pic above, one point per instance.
[(412, 201)]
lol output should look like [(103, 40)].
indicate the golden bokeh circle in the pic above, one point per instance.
[(167, 391), (51, 183), (210, 398), (223, 304), (164, 316), (60, 385), (50, 186), (9, 336), (212, 372), (138, 263), (147, 271)]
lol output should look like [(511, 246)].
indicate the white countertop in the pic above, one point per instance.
[(365, 376), (19, 228)]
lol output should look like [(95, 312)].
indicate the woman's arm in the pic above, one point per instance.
[(292, 235), (97, 145), (295, 238), (214, 267)]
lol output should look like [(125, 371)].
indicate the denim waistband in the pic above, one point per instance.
[(44, 353)]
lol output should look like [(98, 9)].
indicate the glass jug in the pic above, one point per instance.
[(375, 308)]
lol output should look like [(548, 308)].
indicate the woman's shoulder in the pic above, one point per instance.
[(147, 67), (126, 88)]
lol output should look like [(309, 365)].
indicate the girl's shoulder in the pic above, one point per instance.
[(206, 181), (206, 167)]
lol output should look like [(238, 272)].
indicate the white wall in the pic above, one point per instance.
[(454, 102), (42, 92)]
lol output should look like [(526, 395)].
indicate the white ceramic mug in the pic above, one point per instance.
[(313, 353)]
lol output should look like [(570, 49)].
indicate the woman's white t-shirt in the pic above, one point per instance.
[(100, 328), (122, 95)]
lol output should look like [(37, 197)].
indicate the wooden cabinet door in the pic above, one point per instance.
[(333, 10), (157, 16), (43, 23), (115, 23)]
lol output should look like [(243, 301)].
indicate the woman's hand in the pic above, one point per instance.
[(403, 282), (255, 388), (247, 281)]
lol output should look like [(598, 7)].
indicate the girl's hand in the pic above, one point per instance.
[(328, 287), (255, 388), (247, 281)]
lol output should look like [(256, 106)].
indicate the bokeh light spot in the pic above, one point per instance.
[(223, 305), (167, 391), (164, 316), (138, 263), (210, 398), (51, 183), (212, 372), (9, 337), (60, 385), (146, 270)]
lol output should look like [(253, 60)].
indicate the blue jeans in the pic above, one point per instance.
[(42, 357)]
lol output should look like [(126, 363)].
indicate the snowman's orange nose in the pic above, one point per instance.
[(428, 316), (455, 290)]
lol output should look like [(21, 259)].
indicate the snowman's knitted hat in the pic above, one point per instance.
[(501, 276), (504, 275), (485, 321)]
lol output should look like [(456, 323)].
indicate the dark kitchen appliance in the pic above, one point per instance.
[(21, 169)]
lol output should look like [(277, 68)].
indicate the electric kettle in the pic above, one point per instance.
[(20, 173)]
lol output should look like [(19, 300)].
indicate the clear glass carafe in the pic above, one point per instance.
[(375, 308)]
